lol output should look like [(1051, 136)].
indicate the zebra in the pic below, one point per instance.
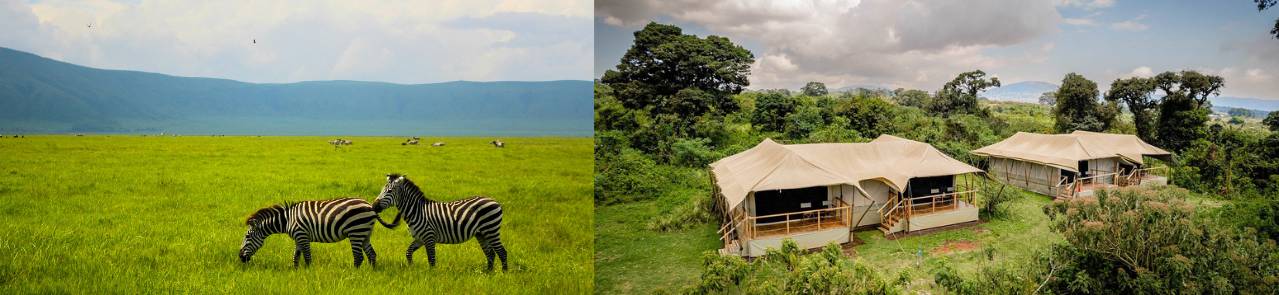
[(498, 143), (327, 221), (454, 222)]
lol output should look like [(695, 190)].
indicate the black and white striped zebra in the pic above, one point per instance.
[(327, 221), (432, 222)]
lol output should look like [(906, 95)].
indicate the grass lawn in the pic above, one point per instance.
[(131, 214)]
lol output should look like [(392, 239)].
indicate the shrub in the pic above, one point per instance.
[(692, 152), (625, 177), (1133, 241), (789, 271)]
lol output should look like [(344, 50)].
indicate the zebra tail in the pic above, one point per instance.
[(393, 224)]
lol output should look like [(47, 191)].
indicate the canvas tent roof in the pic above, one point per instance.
[(772, 166), (1064, 151)]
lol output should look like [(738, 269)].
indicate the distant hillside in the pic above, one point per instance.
[(1028, 91), (1268, 105), (40, 95)]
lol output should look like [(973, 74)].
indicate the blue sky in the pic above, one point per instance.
[(923, 44), (392, 41)]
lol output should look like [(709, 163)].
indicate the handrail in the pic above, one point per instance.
[(799, 212), (840, 208)]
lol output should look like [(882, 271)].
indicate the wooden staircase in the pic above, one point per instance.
[(888, 222), (1065, 192)]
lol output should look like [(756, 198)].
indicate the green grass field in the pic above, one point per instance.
[(131, 214)]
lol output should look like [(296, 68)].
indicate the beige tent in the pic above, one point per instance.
[(773, 166), (816, 194), (1064, 151), (1051, 163)]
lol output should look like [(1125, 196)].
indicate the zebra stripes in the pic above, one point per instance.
[(326, 221), (453, 222)]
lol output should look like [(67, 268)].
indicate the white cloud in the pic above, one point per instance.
[(1080, 21), (394, 41), (1087, 4), (1132, 25), (1144, 72), (918, 44)]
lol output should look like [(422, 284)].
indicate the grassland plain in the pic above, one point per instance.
[(130, 214)]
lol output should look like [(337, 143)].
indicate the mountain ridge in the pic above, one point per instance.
[(41, 95)]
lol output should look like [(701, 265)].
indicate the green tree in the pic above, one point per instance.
[(663, 62), (814, 89), (1239, 112), (1138, 94), (771, 109), (1184, 111), (912, 98), (1078, 108), (960, 94), (1272, 120), (1048, 98)]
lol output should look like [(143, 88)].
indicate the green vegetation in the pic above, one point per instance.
[(130, 214), (652, 188)]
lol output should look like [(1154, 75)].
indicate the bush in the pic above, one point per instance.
[(789, 271), (626, 177), (692, 152), (696, 211), (1134, 241)]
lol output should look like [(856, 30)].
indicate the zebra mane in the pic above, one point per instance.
[(412, 188), (264, 213)]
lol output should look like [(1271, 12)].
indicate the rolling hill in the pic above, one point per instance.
[(41, 95)]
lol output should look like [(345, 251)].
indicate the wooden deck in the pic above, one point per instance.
[(796, 226)]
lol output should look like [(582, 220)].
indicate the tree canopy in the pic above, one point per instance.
[(664, 62), (814, 89), (960, 94), (1078, 108), (1138, 94)]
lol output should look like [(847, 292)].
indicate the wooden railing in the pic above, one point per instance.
[(908, 206), (841, 214)]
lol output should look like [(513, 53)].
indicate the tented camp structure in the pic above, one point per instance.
[(816, 194), (1075, 164)]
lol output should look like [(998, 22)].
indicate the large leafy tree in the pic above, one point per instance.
[(1078, 108), (1183, 113), (814, 89), (771, 110), (675, 73), (960, 94), (1138, 94)]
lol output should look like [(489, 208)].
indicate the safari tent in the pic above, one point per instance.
[(1075, 164), (815, 194)]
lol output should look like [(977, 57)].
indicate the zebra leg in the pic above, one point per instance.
[(368, 251), (430, 252), (305, 247), (488, 252), (297, 252), (408, 255), (493, 245), (357, 250)]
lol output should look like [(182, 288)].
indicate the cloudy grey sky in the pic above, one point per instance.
[(392, 41), (923, 44)]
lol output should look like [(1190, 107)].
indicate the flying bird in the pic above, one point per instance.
[(255, 41)]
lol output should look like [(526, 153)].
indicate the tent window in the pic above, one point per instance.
[(789, 200), (923, 186)]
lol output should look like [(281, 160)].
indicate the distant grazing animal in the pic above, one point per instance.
[(411, 141), (327, 221), (79, 135), (498, 143), (454, 222), (438, 143), (339, 142)]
